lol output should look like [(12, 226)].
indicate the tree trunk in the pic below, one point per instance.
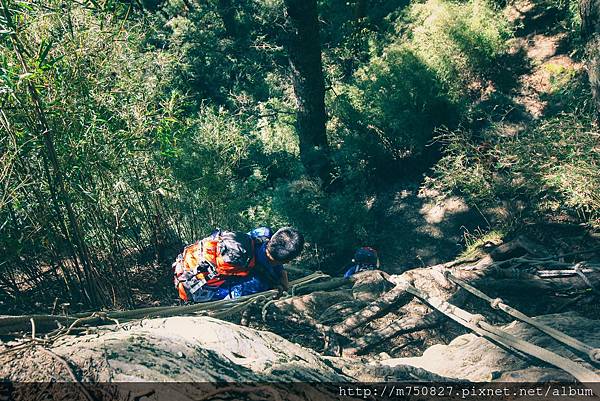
[(226, 11), (593, 67), (360, 9), (589, 11), (590, 30), (304, 52)]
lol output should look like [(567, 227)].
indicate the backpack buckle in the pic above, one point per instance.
[(196, 284), (211, 272)]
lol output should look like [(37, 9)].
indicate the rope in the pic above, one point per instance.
[(238, 308), (564, 273), (44, 323), (488, 331), (264, 310), (580, 272), (495, 303), (498, 303), (12, 324), (222, 308)]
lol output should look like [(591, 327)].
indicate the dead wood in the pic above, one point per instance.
[(513, 259), (336, 313), (330, 342), (10, 325), (331, 284)]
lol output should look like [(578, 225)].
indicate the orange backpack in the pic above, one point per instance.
[(224, 253)]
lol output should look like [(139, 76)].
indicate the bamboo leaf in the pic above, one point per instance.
[(44, 49)]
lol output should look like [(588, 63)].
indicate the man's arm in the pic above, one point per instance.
[(284, 283)]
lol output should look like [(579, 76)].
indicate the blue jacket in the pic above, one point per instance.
[(356, 268), (235, 287)]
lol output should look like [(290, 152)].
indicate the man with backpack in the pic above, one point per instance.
[(365, 258), (227, 265)]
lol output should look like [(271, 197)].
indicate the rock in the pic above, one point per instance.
[(194, 354), (176, 349), (473, 358)]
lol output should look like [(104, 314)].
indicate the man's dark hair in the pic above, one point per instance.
[(286, 244)]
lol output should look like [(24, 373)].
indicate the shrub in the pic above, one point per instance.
[(443, 54), (396, 102), (550, 169), (460, 41), (333, 223)]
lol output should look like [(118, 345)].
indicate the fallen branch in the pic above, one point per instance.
[(45, 323), (331, 284), (560, 273), (497, 303), (331, 346), (65, 364)]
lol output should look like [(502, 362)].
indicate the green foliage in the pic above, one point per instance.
[(334, 223), (146, 164), (170, 118), (390, 112), (548, 170), (422, 81), (460, 41), (209, 161), (478, 239), (569, 19)]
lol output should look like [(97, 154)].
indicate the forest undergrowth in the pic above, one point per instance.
[(129, 132)]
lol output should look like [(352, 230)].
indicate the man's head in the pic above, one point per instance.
[(366, 256), (285, 245)]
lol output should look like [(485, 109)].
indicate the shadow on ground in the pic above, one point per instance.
[(427, 231)]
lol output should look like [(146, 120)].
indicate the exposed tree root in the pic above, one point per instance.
[(67, 367), (396, 296), (368, 317), (519, 260), (405, 325)]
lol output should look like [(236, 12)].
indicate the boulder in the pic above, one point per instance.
[(198, 349), (473, 358)]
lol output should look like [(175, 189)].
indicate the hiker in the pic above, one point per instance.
[(227, 265), (365, 258)]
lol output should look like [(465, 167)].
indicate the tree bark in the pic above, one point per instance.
[(226, 11), (397, 319), (590, 30), (593, 68), (589, 11), (304, 52)]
